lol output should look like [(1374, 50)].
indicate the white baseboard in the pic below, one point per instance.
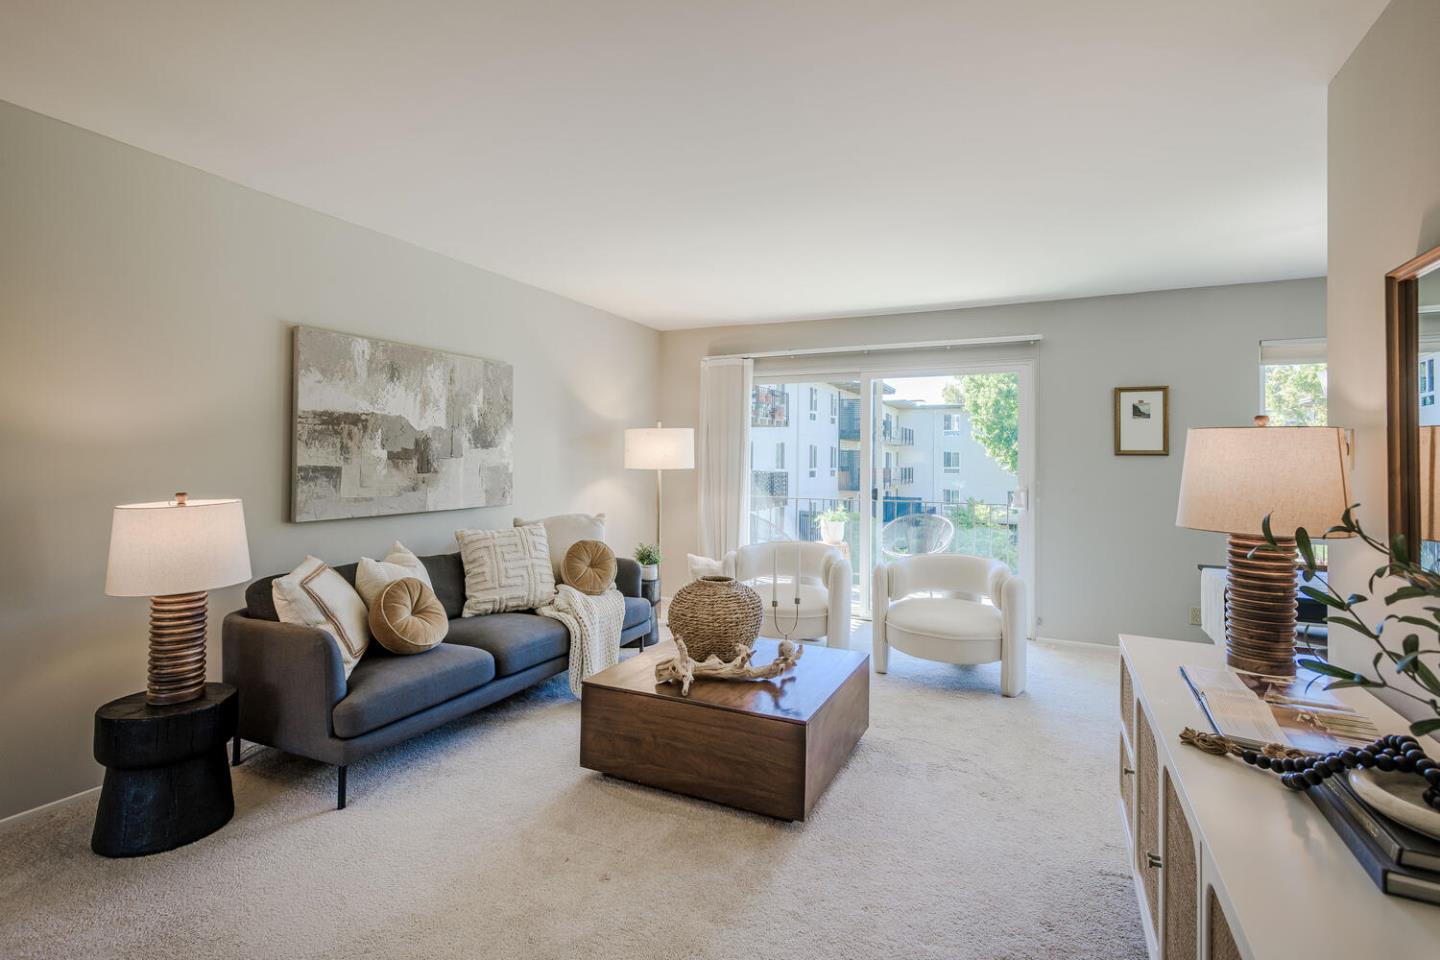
[(17, 819), (1077, 643)]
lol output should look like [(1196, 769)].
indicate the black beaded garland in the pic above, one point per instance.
[(1395, 752)]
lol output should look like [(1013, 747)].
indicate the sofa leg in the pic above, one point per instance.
[(235, 752), (340, 788)]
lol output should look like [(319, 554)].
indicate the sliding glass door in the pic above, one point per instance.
[(805, 462), (885, 464), (951, 466)]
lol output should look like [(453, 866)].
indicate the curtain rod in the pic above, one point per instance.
[(881, 347)]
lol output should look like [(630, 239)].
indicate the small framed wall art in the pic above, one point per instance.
[(1142, 421)]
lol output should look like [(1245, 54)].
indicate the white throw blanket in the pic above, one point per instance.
[(594, 623)]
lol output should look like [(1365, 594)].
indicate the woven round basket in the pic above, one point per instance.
[(716, 616)]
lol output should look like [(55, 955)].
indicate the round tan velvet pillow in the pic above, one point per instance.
[(589, 566), (407, 617)]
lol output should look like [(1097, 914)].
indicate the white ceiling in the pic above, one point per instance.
[(688, 162)]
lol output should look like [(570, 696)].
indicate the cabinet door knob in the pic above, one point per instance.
[(1153, 860)]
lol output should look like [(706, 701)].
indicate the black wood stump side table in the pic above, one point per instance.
[(167, 780)]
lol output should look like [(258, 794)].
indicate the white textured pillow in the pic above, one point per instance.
[(506, 569), (313, 595), (704, 567), (372, 576), (564, 530)]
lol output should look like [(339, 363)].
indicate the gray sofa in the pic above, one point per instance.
[(294, 695)]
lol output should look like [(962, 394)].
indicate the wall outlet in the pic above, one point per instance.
[(1194, 616)]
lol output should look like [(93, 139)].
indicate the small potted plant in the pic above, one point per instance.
[(648, 556), (832, 524)]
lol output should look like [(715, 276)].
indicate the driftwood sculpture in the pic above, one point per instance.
[(683, 669)]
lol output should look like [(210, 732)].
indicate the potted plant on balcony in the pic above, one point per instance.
[(832, 525), (648, 556)]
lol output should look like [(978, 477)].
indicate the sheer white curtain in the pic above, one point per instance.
[(724, 448)]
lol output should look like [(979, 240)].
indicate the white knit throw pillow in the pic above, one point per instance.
[(506, 569), (372, 576), (313, 595)]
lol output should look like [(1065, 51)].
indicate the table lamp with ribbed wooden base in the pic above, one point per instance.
[(1232, 479), (175, 552)]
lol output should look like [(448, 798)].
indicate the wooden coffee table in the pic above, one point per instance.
[(770, 746)]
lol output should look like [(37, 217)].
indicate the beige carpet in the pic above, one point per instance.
[(965, 825)]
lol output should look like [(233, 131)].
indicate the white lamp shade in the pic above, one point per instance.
[(1234, 476), (660, 448), (157, 549)]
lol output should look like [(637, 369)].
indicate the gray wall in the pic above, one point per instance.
[(1384, 192), (1109, 557), (146, 309)]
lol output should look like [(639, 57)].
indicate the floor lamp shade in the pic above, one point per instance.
[(1233, 478), (660, 448), (174, 552)]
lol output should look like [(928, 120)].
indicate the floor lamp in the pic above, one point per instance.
[(659, 448), (1232, 479)]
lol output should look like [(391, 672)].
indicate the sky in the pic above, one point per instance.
[(920, 389)]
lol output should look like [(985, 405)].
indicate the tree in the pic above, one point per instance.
[(1295, 394), (992, 404)]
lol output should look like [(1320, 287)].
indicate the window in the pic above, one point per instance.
[(952, 423), (951, 496), (1293, 382), (1427, 381), (780, 455), (952, 461), (907, 474), (834, 456), (834, 406), (813, 450), (814, 402), (849, 471)]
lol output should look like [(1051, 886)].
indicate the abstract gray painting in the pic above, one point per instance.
[(384, 427)]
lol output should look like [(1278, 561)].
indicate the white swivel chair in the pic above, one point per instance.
[(932, 606), (824, 589)]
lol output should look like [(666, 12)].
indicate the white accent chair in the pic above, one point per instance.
[(932, 606), (825, 585)]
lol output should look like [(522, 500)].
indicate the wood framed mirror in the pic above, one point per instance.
[(1412, 352)]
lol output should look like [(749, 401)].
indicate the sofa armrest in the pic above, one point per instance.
[(289, 679), (627, 576)]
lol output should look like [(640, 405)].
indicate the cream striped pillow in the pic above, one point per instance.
[(314, 595), (506, 569)]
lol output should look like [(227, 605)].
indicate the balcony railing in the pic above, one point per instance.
[(974, 528)]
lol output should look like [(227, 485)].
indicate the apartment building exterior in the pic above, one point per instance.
[(805, 458)]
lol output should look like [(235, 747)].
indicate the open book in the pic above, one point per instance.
[(1261, 709)]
